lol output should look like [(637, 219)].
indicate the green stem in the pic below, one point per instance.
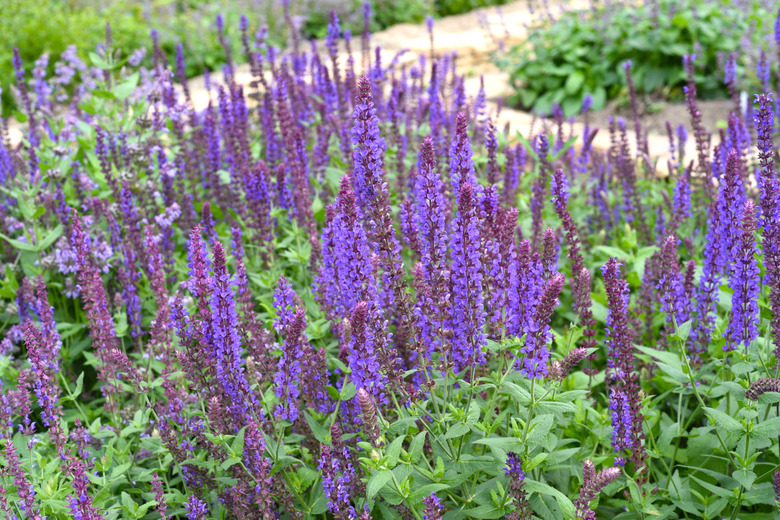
[(692, 382)]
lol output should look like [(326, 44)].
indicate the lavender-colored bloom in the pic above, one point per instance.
[(539, 188), (363, 351), (745, 281), (432, 224), (436, 110), (776, 476), (433, 507), (620, 410), (730, 76), (769, 189), (226, 343), (284, 303), (674, 300), (288, 374), (622, 375), (682, 139), (347, 273), (592, 485), (707, 292), (336, 482), (731, 200), (514, 470), (763, 71), (137, 56), (514, 466), (539, 335), (461, 162), (587, 103), (621, 350), (369, 150), (196, 508), (468, 309)]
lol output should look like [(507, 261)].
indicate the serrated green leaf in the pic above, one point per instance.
[(722, 420), (745, 477), (459, 430), (238, 443), (320, 432), (232, 461), (394, 451), (416, 446), (377, 482), (767, 429)]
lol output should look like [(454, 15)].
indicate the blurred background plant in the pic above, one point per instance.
[(49, 26), (580, 52)]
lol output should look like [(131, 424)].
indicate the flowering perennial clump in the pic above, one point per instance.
[(342, 289)]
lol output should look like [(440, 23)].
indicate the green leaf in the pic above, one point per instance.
[(18, 244), (49, 239), (348, 392), (377, 482), (574, 82), (458, 430), (232, 461), (394, 451), (486, 511), (722, 420), (767, 429), (504, 443), (99, 62), (540, 427), (128, 503), (79, 386), (124, 89), (320, 432), (416, 446), (566, 505), (745, 477), (613, 252), (238, 443)]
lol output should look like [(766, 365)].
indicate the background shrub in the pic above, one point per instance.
[(581, 52)]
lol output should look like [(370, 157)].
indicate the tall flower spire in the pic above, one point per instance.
[(745, 281), (468, 312)]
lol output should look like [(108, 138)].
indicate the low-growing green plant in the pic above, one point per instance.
[(580, 53)]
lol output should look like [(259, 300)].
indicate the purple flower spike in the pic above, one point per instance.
[(288, 375), (745, 281), (196, 508), (468, 308), (592, 485), (539, 335)]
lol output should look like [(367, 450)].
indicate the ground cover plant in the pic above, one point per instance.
[(578, 53), (341, 292)]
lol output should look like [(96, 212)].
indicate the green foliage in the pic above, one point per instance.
[(450, 7), (581, 53)]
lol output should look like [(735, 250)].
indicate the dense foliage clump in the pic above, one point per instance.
[(341, 292), (579, 53)]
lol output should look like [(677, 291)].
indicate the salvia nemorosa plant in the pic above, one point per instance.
[(341, 291)]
